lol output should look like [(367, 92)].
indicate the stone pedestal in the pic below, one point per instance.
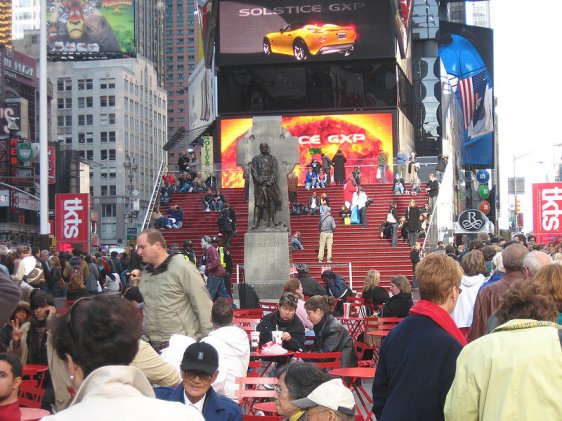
[(266, 262)]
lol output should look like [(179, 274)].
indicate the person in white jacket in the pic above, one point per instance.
[(97, 339), (474, 266), (360, 200), (233, 348)]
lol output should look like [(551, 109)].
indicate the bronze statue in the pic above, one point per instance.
[(264, 170)]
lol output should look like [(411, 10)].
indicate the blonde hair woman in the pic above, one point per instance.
[(373, 293)]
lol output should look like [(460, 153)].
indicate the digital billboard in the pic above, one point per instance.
[(277, 31), (80, 27), (467, 55), (359, 136)]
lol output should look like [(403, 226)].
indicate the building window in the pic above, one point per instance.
[(112, 154), (112, 136), (108, 210), (103, 157), (107, 83), (90, 156), (85, 102), (113, 190), (85, 119), (103, 137), (104, 190), (108, 231), (64, 85), (89, 137), (64, 103), (81, 137), (85, 84)]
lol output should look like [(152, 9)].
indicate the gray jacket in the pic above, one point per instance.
[(327, 223)]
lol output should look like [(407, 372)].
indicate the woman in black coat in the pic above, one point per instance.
[(401, 301), (338, 161), (331, 336), (373, 294), (413, 224), (284, 319)]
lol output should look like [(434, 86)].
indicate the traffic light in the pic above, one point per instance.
[(517, 206)]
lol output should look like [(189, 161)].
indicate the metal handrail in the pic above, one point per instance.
[(153, 197)]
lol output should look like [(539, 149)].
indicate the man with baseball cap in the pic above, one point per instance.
[(188, 252), (331, 401), (199, 369)]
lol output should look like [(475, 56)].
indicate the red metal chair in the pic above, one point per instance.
[(327, 360), (254, 368), (362, 350), (248, 393), (248, 313), (30, 395)]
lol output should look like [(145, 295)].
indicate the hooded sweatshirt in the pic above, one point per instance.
[(462, 315), (233, 348)]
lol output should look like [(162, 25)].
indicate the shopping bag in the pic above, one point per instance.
[(355, 215), (379, 174), (347, 220)]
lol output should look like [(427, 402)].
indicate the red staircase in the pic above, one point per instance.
[(363, 247)]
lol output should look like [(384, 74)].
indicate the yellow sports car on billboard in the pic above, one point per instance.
[(303, 40)]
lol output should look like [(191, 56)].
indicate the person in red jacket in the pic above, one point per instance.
[(348, 189)]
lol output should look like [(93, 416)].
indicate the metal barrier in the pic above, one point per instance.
[(153, 197)]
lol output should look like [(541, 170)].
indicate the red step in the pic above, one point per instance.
[(363, 247)]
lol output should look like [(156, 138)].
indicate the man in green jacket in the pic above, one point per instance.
[(383, 163), (175, 297)]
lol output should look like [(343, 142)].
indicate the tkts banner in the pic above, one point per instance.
[(547, 211), (73, 221), (359, 136)]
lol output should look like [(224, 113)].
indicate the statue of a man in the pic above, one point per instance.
[(265, 172)]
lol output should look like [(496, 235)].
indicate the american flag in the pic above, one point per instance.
[(471, 90)]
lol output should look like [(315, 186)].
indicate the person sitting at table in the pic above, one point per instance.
[(401, 301), (97, 339), (233, 347), (294, 286), (417, 359), (331, 401), (296, 381), (373, 294), (330, 335), (337, 288), (199, 369), (29, 341), (285, 319), (22, 314), (10, 379)]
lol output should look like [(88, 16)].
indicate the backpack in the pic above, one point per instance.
[(36, 278), (76, 270), (248, 296)]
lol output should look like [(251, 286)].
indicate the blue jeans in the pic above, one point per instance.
[(394, 234), (215, 285), (383, 173), (310, 184)]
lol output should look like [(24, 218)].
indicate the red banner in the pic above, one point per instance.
[(547, 211), (73, 221)]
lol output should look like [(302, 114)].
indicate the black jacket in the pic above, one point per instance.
[(375, 295), (331, 336), (311, 286), (413, 219), (433, 186), (294, 327), (398, 305)]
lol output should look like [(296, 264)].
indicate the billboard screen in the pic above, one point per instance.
[(72, 214), (95, 27), (277, 31), (467, 55), (547, 212), (359, 136)]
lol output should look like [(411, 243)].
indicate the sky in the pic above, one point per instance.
[(526, 71)]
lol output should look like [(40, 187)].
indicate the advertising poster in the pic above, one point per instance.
[(277, 31), (72, 215), (467, 55), (90, 26), (547, 212), (359, 136)]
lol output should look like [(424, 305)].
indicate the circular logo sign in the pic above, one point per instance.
[(485, 207), (472, 220), (24, 152), (484, 191), (483, 176)]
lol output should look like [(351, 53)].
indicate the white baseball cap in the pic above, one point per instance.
[(333, 395)]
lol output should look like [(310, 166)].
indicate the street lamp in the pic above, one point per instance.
[(131, 167)]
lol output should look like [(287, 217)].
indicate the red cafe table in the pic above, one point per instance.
[(357, 373), (268, 407), (269, 359), (33, 414)]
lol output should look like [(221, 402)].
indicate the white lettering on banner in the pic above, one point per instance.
[(333, 138), (71, 218), (550, 209)]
